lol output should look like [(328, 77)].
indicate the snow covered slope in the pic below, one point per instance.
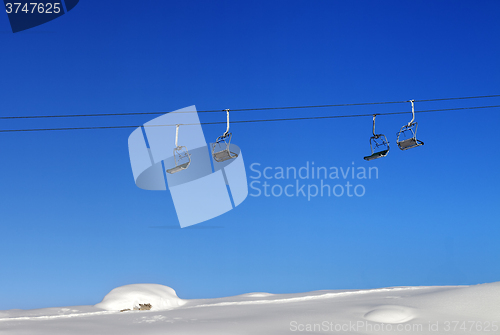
[(399, 310)]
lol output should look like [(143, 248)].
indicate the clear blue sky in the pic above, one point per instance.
[(74, 225)]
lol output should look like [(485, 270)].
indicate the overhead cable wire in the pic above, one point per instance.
[(248, 121), (241, 109), (365, 103)]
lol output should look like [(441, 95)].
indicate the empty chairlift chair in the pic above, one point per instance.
[(221, 148), (378, 144), (407, 136), (182, 158)]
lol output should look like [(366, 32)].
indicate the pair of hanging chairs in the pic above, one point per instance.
[(379, 145), (220, 150), (407, 138)]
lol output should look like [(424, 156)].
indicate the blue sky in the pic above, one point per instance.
[(74, 225)]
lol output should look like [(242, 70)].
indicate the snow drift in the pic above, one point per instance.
[(130, 297), (390, 314)]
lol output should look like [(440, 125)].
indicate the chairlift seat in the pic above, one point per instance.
[(409, 143), (377, 142), (376, 155), (224, 155), (178, 168), (410, 131), (181, 154)]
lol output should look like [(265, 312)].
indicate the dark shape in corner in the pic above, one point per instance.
[(70, 4), (24, 16)]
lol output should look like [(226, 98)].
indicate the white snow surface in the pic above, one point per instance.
[(396, 310)]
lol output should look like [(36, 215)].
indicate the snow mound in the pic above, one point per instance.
[(390, 314), (257, 295), (131, 296)]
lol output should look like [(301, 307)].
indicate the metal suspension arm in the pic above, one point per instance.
[(227, 130), (412, 112), (176, 134), (373, 131)]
